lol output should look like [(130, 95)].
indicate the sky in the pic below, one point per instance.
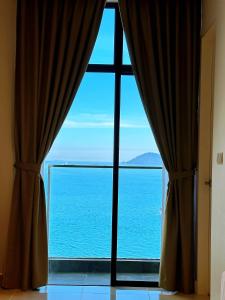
[(87, 132)]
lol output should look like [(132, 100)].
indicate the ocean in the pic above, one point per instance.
[(80, 213)]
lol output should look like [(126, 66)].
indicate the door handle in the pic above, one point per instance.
[(208, 182)]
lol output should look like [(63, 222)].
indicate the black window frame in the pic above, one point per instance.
[(118, 69)]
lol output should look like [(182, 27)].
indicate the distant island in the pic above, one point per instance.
[(146, 159), (149, 158)]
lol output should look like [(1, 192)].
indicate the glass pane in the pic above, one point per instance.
[(126, 55), (137, 143), (80, 202), (139, 219), (140, 191), (104, 46), (87, 132), (80, 214), (139, 224)]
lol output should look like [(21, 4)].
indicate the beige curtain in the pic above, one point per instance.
[(164, 44), (54, 43)]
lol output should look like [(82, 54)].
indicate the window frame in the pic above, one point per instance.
[(118, 69)]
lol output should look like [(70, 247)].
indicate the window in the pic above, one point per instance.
[(104, 180)]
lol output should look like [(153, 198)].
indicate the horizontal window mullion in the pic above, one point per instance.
[(127, 70), (105, 167), (100, 68), (111, 5)]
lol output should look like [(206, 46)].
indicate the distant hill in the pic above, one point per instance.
[(149, 158)]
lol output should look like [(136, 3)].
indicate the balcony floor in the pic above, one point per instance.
[(96, 278)]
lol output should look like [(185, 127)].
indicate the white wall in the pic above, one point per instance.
[(7, 59), (218, 171), (205, 161)]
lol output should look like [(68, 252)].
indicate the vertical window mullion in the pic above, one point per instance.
[(118, 52)]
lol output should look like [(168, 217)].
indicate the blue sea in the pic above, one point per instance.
[(80, 212)]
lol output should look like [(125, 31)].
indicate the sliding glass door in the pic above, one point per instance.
[(139, 193), (103, 176), (80, 183)]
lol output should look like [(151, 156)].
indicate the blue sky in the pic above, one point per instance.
[(87, 132)]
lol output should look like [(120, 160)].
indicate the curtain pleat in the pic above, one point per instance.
[(163, 39), (54, 43)]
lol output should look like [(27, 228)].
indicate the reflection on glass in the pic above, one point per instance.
[(104, 46), (87, 132), (126, 55), (80, 213)]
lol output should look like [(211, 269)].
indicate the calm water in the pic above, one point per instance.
[(81, 213)]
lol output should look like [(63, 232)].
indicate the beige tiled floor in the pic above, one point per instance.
[(93, 293)]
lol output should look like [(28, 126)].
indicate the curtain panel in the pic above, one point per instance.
[(163, 39), (54, 43)]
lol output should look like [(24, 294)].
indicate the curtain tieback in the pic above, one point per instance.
[(35, 168), (181, 174)]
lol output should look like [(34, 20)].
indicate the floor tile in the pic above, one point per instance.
[(5, 297), (178, 297), (64, 297), (29, 295), (6, 294), (97, 289), (55, 292), (130, 294), (91, 296), (132, 291), (59, 289)]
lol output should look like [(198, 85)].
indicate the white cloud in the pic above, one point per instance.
[(133, 125), (94, 116), (100, 124), (75, 124), (88, 120)]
